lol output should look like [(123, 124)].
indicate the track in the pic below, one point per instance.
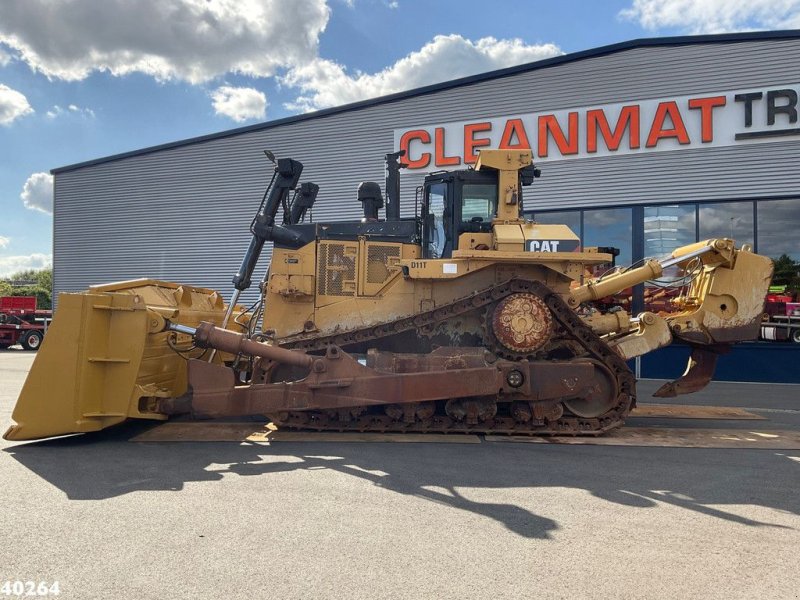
[(432, 417)]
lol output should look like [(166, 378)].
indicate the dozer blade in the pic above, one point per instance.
[(699, 371), (105, 357)]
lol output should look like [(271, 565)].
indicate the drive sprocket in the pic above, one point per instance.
[(522, 323)]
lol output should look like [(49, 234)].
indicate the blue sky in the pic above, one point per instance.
[(82, 79)]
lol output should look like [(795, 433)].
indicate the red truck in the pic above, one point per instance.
[(781, 316), (21, 322)]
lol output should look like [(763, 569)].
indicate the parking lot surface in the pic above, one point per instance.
[(106, 517)]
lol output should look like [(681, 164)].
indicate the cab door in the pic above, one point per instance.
[(437, 218)]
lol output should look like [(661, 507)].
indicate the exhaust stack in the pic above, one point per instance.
[(393, 166)]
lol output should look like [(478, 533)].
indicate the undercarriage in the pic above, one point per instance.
[(546, 375)]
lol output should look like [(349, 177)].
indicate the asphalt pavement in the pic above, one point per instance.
[(109, 518)]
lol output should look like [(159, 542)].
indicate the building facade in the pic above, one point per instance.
[(645, 145)]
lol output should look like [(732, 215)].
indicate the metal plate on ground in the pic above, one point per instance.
[(685, 411), (345, 436), (669, 437), (210, 431)]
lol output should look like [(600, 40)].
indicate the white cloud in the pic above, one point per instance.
[(714, 16), (4, 241), (13, 264), (87, 112), (37, 193), (57, 111), (5, 58), (192, 40), (324, 83), (13, 105), (239, 103)]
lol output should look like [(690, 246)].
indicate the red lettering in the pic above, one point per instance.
[(441, 159), (514, 127), (405, 144), (628, 119), (471, 142), (678, 129), (548, 125), (707, 106)]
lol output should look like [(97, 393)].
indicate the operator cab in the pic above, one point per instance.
[(459, 202), (455, 203)]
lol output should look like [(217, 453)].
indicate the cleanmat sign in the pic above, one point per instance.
[(656, 125)]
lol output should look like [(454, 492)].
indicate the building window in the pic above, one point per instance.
[(777, 228), (777, 238), (668, 227), (570, 218), (610, 227), (768, 225), (727, 220)]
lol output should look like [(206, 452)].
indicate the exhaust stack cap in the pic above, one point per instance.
[(369, 194)]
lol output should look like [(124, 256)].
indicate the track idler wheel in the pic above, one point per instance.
[(522, 323), (602, 396)]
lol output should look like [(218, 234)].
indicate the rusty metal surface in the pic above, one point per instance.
[(421, 322), (441, 359), (522, 323), (667, 437), (699, 371), (683, 411), (201, 431), (337, 381), (214, 431), (412, 393), (599, 396), (210, 336)]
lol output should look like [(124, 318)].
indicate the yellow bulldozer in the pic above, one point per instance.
[(466, 317)]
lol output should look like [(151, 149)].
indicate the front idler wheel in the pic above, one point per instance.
[(598, 398)]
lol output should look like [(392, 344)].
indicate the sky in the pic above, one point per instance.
[(83, 79)]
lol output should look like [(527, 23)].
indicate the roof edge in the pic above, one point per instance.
[(454, 83)]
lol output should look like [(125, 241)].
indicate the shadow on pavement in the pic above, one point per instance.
[(105, 465)]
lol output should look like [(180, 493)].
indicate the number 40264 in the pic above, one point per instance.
[(29, 588)]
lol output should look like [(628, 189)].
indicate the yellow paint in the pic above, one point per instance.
[(100, 364), (106, 357)]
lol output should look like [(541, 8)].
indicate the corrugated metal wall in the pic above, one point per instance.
[(183, 213)]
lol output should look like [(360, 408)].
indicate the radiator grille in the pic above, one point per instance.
[(381, 262), (337, 271)]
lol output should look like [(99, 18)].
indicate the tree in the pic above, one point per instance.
[(787, 272), (42, 286), (44, 279)]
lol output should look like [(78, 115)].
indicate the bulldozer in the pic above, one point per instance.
[(465, 317)]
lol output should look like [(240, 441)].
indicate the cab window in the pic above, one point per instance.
[(435, 230), (478, 202)]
